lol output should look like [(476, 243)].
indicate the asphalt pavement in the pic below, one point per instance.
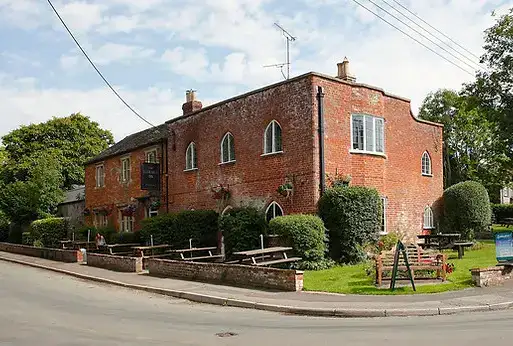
[(46, 308)]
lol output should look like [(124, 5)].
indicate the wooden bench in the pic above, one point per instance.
[(191, 251), (276, 255), (278, 261), (418, 259)]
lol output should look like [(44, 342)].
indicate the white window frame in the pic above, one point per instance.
[(273, 205), (126, 223), (125, 170), (100, 220), (426, 169), (151, 212), (191, 150), (231, 155), (150, 152), (384, 204), (100, 178), (428, 218), (364, 150), (273, 150)]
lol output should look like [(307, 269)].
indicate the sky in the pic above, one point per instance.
[(152, 51)]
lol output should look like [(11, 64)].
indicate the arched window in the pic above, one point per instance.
[(272, 138), (426, 164), (273, 210), (190, 157), (227, 148), (429, 221)]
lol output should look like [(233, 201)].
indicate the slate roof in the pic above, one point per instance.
[(137, 140), (76, 194)]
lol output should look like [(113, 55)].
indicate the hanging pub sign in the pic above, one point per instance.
[(150, 176)]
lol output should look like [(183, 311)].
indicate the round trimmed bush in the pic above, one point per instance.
[(242, 228), (466, 209), (353, 218), (306, 235)]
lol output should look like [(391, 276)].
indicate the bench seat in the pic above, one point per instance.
[(278, 261), (201, 257)]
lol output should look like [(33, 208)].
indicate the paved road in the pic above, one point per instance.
[(43, 308)]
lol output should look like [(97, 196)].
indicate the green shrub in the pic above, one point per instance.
[(176, 229), (466, 209), (353, 218), (4, 227), (108, 233), (242, 228), (15, 233), (306, 235), (49, 231), (388, 241), (124, 238), (501, 212), (26, 239)]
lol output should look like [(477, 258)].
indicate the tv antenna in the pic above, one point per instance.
[(289, 39)]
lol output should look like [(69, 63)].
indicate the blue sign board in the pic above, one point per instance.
[(504, 246)]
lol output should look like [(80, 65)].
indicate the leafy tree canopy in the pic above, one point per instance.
[(71, 140)]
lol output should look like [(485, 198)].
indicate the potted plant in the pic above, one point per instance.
[(87, 212), (285, 189), (129, 210)]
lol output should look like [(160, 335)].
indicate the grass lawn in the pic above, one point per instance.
[(353, 279)]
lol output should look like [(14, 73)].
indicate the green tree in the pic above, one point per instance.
[(73, 140), (38, 196), (473, 146)]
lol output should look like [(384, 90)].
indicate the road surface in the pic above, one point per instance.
[(44, 308)]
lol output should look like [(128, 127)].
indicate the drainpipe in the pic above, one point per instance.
[(167, 176), (320, 111)]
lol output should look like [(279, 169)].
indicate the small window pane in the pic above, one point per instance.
[(380, 145), (232, 148), (277, 137), (226, 149), (369, 134), (358, 132), (268, 140), (190, 156)]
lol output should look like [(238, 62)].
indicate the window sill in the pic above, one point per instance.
[(273, 153), (191, 169), (364, 152), (427, 175), (226, 163), (428, 228)]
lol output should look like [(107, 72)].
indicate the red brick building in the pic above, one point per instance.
[(253, 144)]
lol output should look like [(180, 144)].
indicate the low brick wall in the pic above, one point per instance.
[(492, 276), (51, 254), (117, 263), (229, 274)]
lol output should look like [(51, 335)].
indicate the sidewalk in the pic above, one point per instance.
[(304, 303)]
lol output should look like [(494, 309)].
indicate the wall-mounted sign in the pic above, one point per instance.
[(150, 176), (504, 246)]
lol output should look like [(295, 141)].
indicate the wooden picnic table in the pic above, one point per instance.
[(140, 250), (118, 249), (76, 245), (272, 255), (209, 250), (444, 241)]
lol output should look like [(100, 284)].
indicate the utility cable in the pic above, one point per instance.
[(94, 66)]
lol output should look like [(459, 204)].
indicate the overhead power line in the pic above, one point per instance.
[(95, 68), (413, 38), (421, 34), (434, 28), (464, 56)]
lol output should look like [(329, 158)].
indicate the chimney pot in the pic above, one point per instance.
[(191, 105), (344, 72)]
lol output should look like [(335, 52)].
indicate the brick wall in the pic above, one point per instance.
[(493, 276), (117, 263), (229, 274), (396, 176), (116, 194), (253, 178), (70, 256)]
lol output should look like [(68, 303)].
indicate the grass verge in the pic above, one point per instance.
[(353, 279)]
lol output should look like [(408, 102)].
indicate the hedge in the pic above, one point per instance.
[(4, 228), (241, 229), (124, 238), (49, 231), (466, 209), (176, 229), (502, 211), (306, 235), (108, 233), (353, 218)]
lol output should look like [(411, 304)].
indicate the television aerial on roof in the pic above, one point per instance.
[(289, 39)]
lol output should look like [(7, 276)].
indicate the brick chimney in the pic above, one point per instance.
[(191, 105), (343, 71)]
